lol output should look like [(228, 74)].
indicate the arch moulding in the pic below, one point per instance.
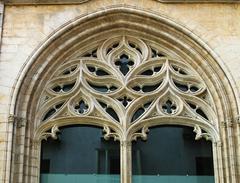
[(123, 23)]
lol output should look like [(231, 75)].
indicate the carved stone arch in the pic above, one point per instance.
[(176, 44)]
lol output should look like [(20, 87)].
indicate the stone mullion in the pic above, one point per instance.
[(126, 161)]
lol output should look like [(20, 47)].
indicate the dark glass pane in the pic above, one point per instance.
[(80, 155), (146, 105), (68, 87), (157, 69), (69, 70), (81, 107), (181, 86), (59, 105), (125, 101), (49, 114), (112, 113), (108, 51), (123, 63), (101, 72), (91, 54), (171, 154), (169, 107), (155, 53), (150, 88), (66, 72), (109, 110), (138, 49), (192, 105), (136, 88), (148, 72), (91, 69), (112, 88), (103, 89), (194, 89), (200, 112), (115, 45), (57, 88), (179, 70), (137, 114)]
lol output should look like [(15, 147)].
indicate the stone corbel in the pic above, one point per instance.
[(19, 122), (142, 134), (223, 124), (52, 134), (229, 123), (237, 120), (11, 118), (200, 134), (108, 134)]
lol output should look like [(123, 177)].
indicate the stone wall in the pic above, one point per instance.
[(26, 27)]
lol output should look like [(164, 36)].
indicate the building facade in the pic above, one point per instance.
[(124, 66)]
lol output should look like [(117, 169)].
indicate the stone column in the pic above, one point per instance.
[(229, 150), (126, 161)]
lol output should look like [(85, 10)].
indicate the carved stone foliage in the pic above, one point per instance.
[(125, 80), (200, 134), (52, 134)]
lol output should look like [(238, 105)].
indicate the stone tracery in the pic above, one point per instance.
[(125, 79)]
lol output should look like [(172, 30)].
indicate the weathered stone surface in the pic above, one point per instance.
[(24, 2), (29, 2), (199, 1), (26, 28)]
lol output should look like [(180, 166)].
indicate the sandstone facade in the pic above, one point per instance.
[(34, 36)]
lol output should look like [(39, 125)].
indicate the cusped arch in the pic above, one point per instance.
[(85, 32), (43, 131)]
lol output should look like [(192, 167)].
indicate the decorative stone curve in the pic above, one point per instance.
[(125, 80)]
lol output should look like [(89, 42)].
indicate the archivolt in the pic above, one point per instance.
[(72, 49)]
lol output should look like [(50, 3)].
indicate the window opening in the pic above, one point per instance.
[(120, 76), (171, 154), (80, 154), (124, 63)]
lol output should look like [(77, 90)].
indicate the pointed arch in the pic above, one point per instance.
[(175, 40)]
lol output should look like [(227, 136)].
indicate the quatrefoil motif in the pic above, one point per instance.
[(169, 107), (124, 63), (81, 107), (125, 101)]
